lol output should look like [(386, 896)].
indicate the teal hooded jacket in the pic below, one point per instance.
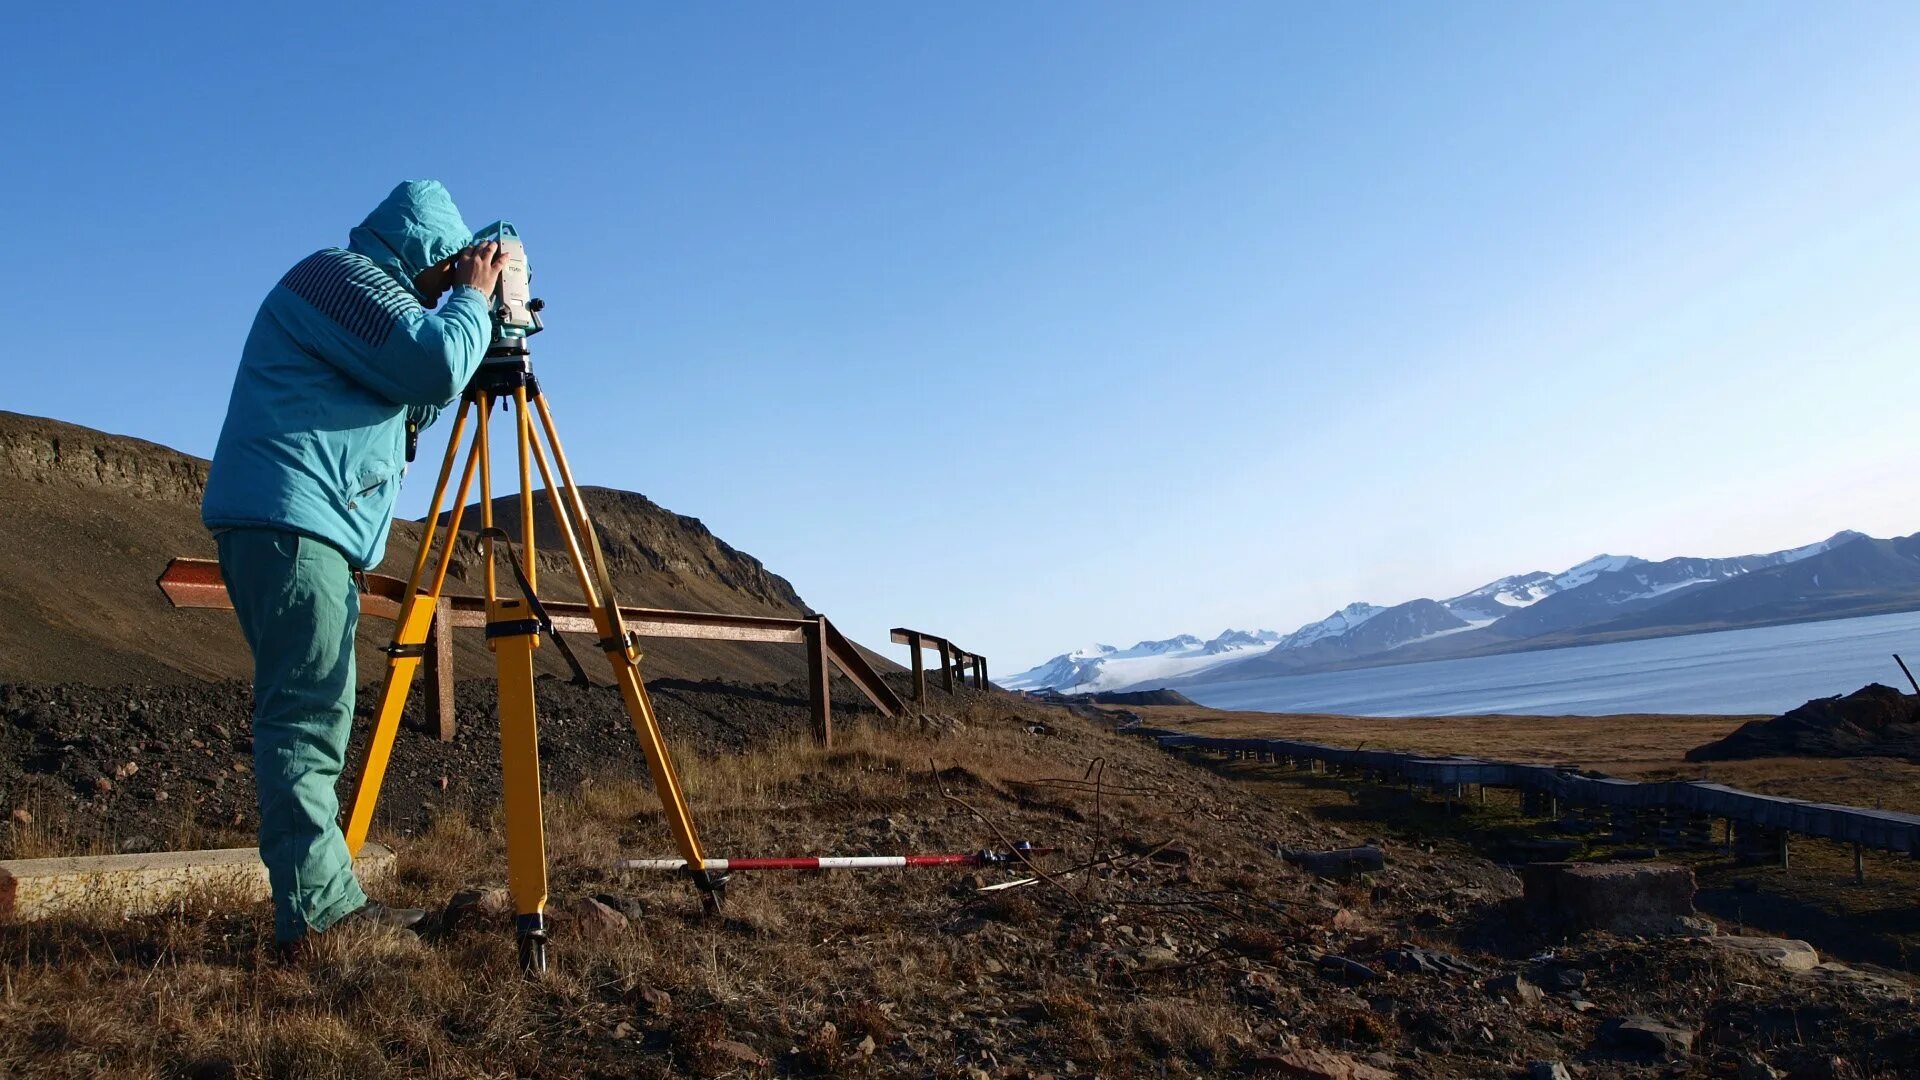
[(341, 360)]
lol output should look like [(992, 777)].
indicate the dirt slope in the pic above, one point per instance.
[(90, 519)]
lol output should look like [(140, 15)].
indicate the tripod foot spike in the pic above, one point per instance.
[(713, 890), (533, 944)]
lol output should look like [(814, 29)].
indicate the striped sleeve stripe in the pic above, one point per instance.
[(351, 291)]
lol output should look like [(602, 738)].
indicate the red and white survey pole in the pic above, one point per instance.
[(842, 862)]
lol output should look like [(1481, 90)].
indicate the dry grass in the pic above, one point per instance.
[(1640, 747), (1179, 966), (801, 967)]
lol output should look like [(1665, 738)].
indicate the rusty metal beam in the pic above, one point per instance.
[(439, 671), (820, 683), (919, 667), (196, 583), (854, 666)]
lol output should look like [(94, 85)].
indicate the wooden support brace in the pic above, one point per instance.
[(946, 667)]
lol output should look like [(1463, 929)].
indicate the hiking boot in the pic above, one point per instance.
[(371, 913), (374, 913)]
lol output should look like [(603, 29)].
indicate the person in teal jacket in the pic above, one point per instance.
[(345, 364)]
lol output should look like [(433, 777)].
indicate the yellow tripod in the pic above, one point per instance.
[(514, 626)]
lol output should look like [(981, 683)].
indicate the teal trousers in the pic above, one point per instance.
[(298, 608)]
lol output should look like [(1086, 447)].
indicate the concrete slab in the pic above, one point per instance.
[(119, 886)]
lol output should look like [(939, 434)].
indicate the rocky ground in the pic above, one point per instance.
[(1874, 720), (134, 768), (1184, 927)]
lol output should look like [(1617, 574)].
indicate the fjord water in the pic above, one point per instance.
[(1766, 670)]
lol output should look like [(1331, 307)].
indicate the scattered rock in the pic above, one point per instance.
[(658, 1000), (1862, 981), (1515, 988), (1755, 1067), (126, 770), (1787, 954), (1559, 978), (1174, 855), (1347, 919), (633, 909), (590, 915), (469, 904), (1312, 1064), (1339, 864), (1645, 1035), (622, 1030), (1638, 898), (1350, 970), (102, 786), (1548, 1070), (739, 1051), (1426, 962)]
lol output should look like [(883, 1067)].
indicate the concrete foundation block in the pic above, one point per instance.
[(1624, 898), (119, 886)]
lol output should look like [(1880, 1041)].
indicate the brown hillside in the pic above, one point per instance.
[(90, 519)]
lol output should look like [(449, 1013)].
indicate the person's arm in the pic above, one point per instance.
[(382, 338)]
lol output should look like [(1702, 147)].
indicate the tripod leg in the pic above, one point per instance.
[(598, 588), (409, 634), (666, 781), (520, 779), (408, 648), (513, 633)]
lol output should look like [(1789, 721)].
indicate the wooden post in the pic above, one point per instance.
[(979, 679), (439, 665), (819, 682), (1859, 865), (946, 667), (915, 643), (984, 683)]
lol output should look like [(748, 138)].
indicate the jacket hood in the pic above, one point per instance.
[(413, 228)]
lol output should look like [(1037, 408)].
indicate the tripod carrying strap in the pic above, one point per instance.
[(541, 620)]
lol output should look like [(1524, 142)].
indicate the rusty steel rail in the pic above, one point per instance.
[(952, 657), (196, 583)]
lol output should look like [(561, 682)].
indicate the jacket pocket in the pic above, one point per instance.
[(370, 483)]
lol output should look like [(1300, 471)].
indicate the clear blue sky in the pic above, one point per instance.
[(1038, 324)]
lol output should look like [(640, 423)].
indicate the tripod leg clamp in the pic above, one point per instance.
[(630, 645)]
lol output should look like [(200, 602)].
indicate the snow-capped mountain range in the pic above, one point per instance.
[(1539, 607), (1104, 667)]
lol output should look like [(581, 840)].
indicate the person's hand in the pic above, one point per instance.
[(480, 266)]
